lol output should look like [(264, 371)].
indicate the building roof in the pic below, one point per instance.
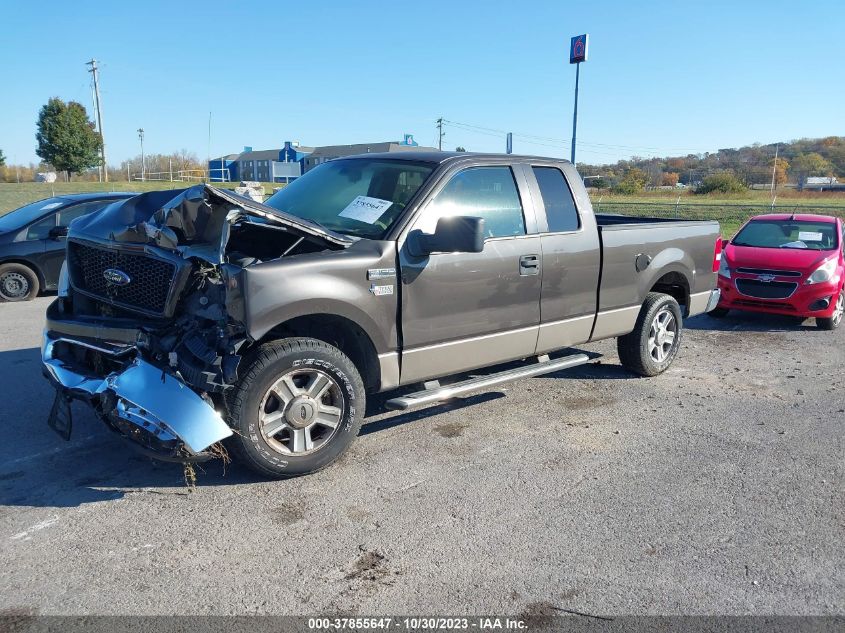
[(367, 148), (261, 154)]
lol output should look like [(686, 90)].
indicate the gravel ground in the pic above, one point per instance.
[(716, 488)]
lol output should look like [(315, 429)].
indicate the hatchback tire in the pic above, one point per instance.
[(833, 321), (18, 283), (653, 344), (298, 405)]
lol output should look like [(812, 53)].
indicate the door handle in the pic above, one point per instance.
[(529, 265)]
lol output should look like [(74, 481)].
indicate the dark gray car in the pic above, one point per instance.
[(197, 316), (32, 241)]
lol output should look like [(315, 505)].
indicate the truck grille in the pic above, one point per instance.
[(765, 289), (149, 283)]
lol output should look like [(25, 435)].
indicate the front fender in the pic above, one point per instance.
[(334, 283)]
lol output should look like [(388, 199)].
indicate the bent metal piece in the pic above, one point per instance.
[(148, 398)]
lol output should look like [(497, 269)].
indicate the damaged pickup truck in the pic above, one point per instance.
[(194, 321)]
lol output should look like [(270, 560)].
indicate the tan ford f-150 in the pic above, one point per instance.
[(193, 318)]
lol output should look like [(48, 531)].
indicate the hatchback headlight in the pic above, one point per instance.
[(823, 273), (724, 271)]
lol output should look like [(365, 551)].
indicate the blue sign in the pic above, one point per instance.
[(409, 140), (578, 49)]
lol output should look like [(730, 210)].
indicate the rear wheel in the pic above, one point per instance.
[(719, 313), (654, 343), (833, 321), (18, 283), (297, 407)]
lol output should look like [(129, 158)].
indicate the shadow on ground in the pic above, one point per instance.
[(39, 469), (750, 322)]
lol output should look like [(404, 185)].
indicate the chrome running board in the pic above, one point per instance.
[(438, 393)]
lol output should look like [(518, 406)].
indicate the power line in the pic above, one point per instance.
[(563, 141)]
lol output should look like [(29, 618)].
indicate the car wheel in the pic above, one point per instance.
[(832, 322), (298, 405), (18, 283), (653, 344), (719, 313)]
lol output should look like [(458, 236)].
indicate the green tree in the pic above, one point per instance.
[(460, 148), (2, 158), (66, 138), (812, 164), (634, 181), (722, 182)]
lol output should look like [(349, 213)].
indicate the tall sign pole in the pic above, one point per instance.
[(577, 54)]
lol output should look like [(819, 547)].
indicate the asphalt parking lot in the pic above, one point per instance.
[(716, 488)]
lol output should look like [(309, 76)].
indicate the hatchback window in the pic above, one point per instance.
[(795, 234), (561, 213), (482, 192)]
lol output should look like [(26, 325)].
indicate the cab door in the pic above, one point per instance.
[(571, 256), (461, 311)]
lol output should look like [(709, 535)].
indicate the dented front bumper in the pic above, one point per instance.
[(152, 407)]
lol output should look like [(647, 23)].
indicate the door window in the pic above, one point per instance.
[(482, 192), (41, 229), (66, 216), (561, 213)]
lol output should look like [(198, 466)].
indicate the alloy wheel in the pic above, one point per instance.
[(301, 411), (839, 309), (662, 335)]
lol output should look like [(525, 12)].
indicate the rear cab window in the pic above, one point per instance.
[(561, 212), (483, 192)]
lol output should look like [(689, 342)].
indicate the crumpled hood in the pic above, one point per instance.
[(194, 220)]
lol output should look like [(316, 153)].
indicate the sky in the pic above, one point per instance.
[(662, 78)]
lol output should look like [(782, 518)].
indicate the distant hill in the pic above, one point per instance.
[(752, 164)]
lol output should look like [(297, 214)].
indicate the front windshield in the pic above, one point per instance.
[(361, 197), (816, 236), (19, 218)]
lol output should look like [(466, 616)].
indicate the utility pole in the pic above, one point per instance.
[(775, 167), (440, 134), (143, 165), (95, 72)]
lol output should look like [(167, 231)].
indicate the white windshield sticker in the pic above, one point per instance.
[(52, 205), (366, 209), (809, 236)]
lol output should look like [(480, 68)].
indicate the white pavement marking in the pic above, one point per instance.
[(52, 451), (26, 535)]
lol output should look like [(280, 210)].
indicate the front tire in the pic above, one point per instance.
[(18, 283), (833, 321), (653, 344), (297, 407)]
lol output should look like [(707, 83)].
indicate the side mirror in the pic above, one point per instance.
[(725, 243), (457, 234), (58, 231)]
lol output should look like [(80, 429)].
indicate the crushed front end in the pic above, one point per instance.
[(148, 327)]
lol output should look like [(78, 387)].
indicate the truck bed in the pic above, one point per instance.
[(682, 246)]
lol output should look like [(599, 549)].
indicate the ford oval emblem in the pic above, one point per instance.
[(116, 277)]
